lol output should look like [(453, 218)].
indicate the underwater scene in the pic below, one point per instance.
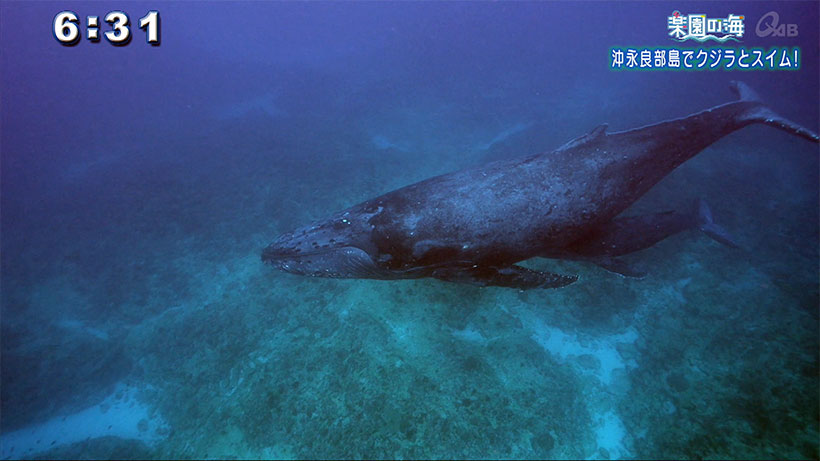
[(187, 272)]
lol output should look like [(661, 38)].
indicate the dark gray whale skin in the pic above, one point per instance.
[(628, 234), (473, 225)]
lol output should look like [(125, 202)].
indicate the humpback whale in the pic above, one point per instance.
[(473, 226)]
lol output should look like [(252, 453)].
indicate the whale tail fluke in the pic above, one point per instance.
[(760, 113), (707, 225)]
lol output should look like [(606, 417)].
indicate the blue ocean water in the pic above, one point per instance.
[(140, 183)]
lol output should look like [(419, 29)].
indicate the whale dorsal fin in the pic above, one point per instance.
[(596, 133)]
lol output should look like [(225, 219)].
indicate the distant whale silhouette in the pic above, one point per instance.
[(473, 225)]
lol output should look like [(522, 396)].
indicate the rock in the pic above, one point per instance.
[(628, 351), (589, 361), (677, 381)]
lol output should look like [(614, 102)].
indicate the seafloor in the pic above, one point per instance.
[(147, 327)]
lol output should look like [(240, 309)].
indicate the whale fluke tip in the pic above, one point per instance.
[(743, 91)]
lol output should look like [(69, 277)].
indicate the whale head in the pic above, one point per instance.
[(339, 247)]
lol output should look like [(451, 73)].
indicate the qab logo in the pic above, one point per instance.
[(700, 28), (771, 26)]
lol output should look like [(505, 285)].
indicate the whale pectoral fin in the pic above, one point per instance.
[(508, 276), (619, 266)]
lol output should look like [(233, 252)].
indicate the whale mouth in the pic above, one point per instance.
[(336, 262)]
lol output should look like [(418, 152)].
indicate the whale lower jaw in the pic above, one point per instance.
[(341, 262)]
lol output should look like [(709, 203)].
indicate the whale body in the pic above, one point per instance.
[(473, 226)]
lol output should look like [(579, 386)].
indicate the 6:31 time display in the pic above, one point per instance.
[(67, 28)]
